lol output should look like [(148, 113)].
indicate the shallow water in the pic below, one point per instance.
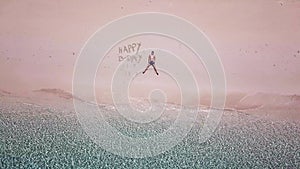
[(40, 137)]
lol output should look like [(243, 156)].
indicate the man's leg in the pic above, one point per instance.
[(155, 69), (146, 69)]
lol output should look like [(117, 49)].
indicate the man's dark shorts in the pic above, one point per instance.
[(151, 62)]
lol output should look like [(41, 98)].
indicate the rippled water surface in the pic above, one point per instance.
[(39, 137)]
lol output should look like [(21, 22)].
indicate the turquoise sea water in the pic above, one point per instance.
[(40, 137)]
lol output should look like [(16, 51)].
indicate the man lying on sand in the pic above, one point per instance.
[(151, 62)]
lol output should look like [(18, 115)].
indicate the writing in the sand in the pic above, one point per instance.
[(130, 52)]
